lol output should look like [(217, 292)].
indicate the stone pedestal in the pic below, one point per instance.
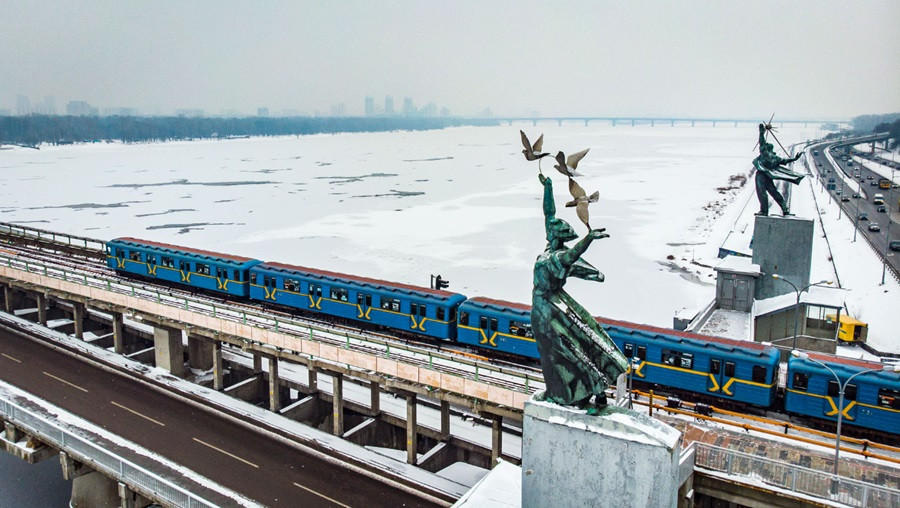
[(168, 349), (615, 458), (782, 245)]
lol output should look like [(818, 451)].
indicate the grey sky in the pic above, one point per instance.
[(798, 59)]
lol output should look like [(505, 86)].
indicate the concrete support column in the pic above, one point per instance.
[(126, 496), (257, 362), (274, 390), (496, 439), (375, 398), (41, 299), (94, 489), (313, 382), (337, 403), (7, 295), (13, 434), (78, 313), (445, 419), (168, 349), (218, 376), (412, 438), (200, 352), (118, 329)]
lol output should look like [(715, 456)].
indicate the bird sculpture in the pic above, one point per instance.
[(581, 201), (567, 166), (533, 152)]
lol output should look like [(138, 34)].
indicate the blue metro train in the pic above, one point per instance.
[(728, 370)]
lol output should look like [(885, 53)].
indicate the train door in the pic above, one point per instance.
[(151, 264), (727, 378), (222, 278), (834, 398), (364, 301), (714, 380)]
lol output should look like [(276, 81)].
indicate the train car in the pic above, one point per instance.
[(213, 271), (731, 370), (871, 400), (412, 309), (497, 325)]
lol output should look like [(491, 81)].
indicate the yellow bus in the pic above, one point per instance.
[(851, 331)]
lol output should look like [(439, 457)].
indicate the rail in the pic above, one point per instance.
[(480, 371), (19, 231), (796, 479), (99, 459)]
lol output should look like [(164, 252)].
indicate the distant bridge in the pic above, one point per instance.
[(652, 121)]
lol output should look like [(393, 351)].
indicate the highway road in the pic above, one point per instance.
[(253, 464), (863, 204)]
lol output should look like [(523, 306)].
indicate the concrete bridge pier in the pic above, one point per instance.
[(559, 122), (534, 123), (652, 123), (313, 382), (337, 403), (168, 349), (218, 374), (613, 122), (275, 391), (632, 122), (7, 299), (200, 352), (41, 300), (714, 123), (496, 439), (586, 122), (374, 399), (412, 438), (118, 330), (78, 313), (445, 420), (693, 122)]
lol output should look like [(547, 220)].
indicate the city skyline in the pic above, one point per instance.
[(658, 58)]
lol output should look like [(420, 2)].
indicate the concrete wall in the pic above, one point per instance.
[(782, 245)]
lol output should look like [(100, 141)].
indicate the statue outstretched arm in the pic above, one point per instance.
[(762, 136), (549, 203), (570, 256)]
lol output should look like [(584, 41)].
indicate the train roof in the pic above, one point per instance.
[(484, 301), (189, 250), (355, 278), (743, 344), (843, 360)]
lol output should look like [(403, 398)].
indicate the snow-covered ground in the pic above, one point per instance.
[(459, 202)]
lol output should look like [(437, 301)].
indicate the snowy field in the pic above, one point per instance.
[(462, 203)]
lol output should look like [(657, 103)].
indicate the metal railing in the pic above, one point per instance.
[(797, 479), (52, 236), (99, 459)]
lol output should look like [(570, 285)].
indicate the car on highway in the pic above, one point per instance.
[(870, 177), (882, 209), (873, 183), (873, 226), (895, 245), (845, 199), (862, 216), (856, 195)]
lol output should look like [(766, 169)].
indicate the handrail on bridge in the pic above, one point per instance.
[(44, 234)]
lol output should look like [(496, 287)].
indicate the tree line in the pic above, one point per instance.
[(34, 130)]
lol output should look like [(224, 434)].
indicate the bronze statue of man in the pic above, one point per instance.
[(768, 168), (578, 358)]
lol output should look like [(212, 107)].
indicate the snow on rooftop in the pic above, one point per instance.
[(501, 487), (738, 264), (819, 296), (731, 324)]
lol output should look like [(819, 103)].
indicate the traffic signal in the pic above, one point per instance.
[(440, 283)]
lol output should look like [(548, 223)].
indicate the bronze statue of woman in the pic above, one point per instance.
[(578, 359)]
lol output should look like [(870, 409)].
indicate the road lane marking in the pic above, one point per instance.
[(11, 358), (66, 382), (139, 414), (322, 495), (226, 453)]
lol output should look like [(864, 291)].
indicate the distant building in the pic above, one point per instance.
[(408, 108), (189, 113), (5, 112), (81, 108), (23, 105), (262, 111), (370, 106), (445, 112), (292, 113), (388, 105), (48, 107), (428, 110), (119, 112), (338, 110)]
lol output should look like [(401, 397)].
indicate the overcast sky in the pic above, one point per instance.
[(748, 59)]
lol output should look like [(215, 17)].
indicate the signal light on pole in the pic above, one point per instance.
[(440, 283)]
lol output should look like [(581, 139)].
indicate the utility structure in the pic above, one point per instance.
[(797, 305), (887, 240), (841, 388)]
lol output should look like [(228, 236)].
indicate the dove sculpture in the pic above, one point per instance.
[(567, 166), (581, 201), (533, 152)]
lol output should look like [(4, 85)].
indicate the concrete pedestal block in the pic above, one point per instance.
[(782, 245), (200, 353), (168, 349), (92, 490), (615, 458)]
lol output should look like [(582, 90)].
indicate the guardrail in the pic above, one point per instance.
[(796, 479), (52, 236), (99, 459)]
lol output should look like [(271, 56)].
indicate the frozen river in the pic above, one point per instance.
[(462, 203)]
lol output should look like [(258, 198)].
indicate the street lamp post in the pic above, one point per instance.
[(841, 388), (797, 305)]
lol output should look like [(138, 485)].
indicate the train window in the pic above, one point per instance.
[(453, 315), (493, 324), (134, 255), (642, 352), (463, 318), (440, 313), (359, 298), (759, 374), (390, 304), (272, 282), (151, 259), (184, 266), (368, 300), (678, 359), (237, 275), (729, 369), (220, 273), (203, 269), (714, 366), (340, 294), (850, 392), (266, 280), (519, 329), (291, 285), (413, 309), (482, 323), (888, 397), (120, 253), (800, 382), (167, 261), (628, 350), (423, 310), (252, 277), (834, 391)]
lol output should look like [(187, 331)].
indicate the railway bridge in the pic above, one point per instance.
[(376, 406)]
